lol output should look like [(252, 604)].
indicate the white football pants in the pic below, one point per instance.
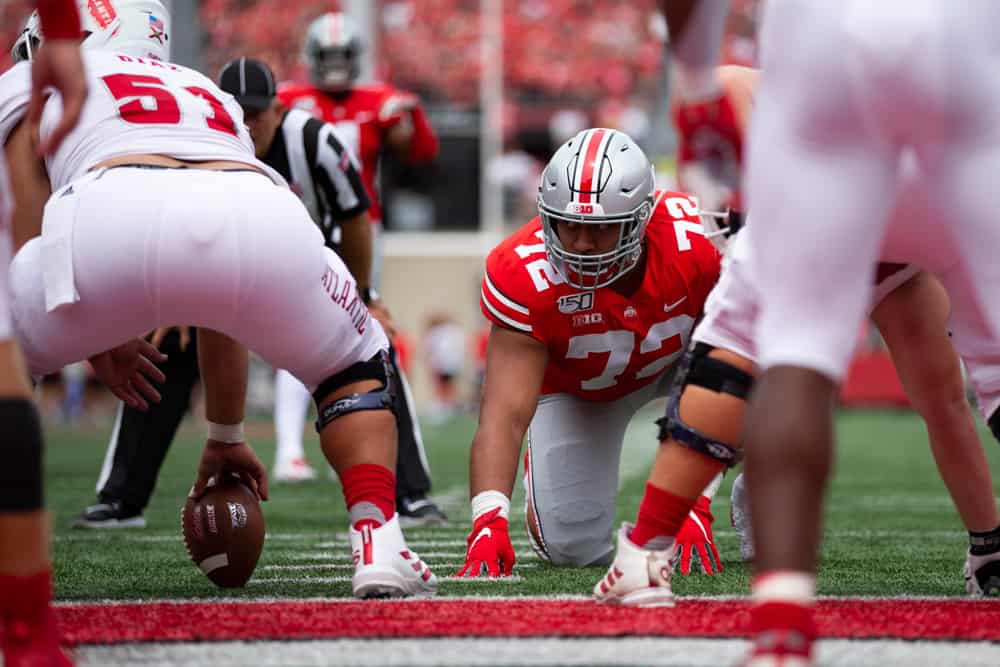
[(571, 478), (832, 116), (126, 250)]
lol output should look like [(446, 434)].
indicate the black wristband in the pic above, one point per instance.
[(368, 294)]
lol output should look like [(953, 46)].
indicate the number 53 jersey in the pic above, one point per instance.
[(602, 345), (135, 106)]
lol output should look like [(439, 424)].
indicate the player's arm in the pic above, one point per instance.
[(29, 182), (515, 367), (913, 320), (58, 64), (224, 365), (412, 139)]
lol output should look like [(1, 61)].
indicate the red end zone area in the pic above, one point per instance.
[(940, 619)]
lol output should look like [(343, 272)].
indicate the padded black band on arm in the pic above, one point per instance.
[(376, 368), (21, 472)]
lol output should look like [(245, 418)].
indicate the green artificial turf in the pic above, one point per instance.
[(891, 529)]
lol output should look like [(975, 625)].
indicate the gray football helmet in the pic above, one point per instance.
[(332, 51), (599, 177)]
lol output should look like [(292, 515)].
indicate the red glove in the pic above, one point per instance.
[(708, 130), (488, 544), (696, 535)]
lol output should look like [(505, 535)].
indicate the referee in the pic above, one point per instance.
[(309, 154)]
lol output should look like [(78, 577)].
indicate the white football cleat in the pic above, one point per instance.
[(739, 515), (385, 567), (982, 575), (294, 470), (637, 577)]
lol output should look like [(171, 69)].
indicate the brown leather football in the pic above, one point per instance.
[(224, 532)]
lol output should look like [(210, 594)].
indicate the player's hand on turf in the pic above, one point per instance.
[(695, 538), (708, 130), (129, 370), (488, 546), (381, 313), (231, 457), (57, 64)]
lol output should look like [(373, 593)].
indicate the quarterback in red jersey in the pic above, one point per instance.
[(590, 303), (369, 118)]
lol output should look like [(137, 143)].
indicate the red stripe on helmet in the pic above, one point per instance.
[(589, 152), (334, 25)]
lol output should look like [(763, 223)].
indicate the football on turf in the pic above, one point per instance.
[(224, 531)]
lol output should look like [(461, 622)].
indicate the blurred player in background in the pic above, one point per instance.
[(27, 627), (591, 304), (192, 238), (371, 119)]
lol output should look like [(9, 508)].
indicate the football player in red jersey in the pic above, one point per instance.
[(370, 118), (591, 303), (28, 631)]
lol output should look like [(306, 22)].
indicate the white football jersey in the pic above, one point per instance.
[(137, 106)]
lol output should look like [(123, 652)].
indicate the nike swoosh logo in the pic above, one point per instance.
[(668, 308), (485, 532)]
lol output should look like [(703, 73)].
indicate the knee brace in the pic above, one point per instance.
[(21, 473), (376, 368), (700, 370)]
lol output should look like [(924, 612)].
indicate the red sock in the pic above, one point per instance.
[(660, 515), (26, 598), (370, 483)]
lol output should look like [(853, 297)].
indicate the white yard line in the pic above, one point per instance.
[(544, 652), (448, 565)]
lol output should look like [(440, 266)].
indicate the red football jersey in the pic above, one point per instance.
[(602, 345), (362, 115)]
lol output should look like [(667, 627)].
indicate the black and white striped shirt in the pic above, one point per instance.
[(320, 169)]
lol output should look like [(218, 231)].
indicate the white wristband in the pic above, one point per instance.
[(486, 501), (228, 433)]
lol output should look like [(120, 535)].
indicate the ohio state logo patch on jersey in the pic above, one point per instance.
[(574, 303)]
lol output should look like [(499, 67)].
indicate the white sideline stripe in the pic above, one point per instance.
[(350, 566), (513, 579), (538, 652)]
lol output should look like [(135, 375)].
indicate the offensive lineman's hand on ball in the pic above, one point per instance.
[(235, 457)]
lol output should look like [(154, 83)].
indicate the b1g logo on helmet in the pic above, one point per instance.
[(576, 208), (574, 303)]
